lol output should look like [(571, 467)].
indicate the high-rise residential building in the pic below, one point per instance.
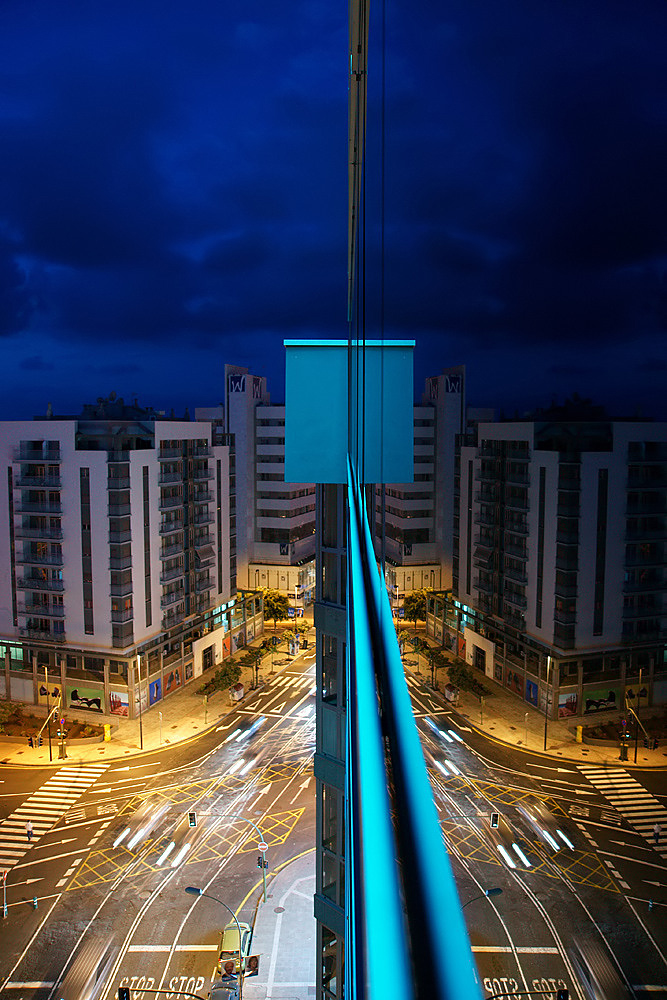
[(560, 579), (416, 519), (275, 523), (115, 532)]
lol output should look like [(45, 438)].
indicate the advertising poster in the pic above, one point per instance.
[(119, 702), (567, 704), (226, 646), (53, 693), (531, 692), (144, 700), (155, 691), (600, 700), (172, 680), (238, 641), (514, 681), (91, 699), (437, 630), (250, 631)]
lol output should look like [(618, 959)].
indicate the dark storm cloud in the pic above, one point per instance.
[(36, 364), (177, 176)]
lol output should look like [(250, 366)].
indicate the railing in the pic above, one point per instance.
[(410, 913)]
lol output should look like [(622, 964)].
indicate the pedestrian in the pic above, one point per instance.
[(657, 830), (28, 829)]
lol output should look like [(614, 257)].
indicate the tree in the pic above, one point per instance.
[(276, 606), (414, 606), (225, 677), (461, 675), (252, 658)]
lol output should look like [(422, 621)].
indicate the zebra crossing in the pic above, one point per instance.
[(637, 806), (43, 809)]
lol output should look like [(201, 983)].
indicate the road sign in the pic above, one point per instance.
[(5, 873), (262, 847)]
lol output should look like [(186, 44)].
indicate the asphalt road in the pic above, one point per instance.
[(108, 902), (608, 892)]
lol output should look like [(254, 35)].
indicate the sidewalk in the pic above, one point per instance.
[(178, 717), (511, 720), (284, 936)]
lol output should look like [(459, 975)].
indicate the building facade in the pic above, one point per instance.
[(416, 519), (115, 530), (560, 587), (275, 527)]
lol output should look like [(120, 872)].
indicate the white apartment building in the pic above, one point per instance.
[(275, 526), (560, 570), (418, 517), (115, 535)]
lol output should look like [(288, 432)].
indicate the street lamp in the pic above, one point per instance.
[(195, 891), (496, 891), (546, 703)]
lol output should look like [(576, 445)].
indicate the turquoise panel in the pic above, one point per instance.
[(317, 437)]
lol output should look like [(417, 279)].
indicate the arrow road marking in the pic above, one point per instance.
[(302, 787)]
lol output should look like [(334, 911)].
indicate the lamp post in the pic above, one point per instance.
[(496, 891), (48, 709), (195, 891)]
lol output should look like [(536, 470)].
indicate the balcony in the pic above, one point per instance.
[(118, 456), (33, 559), (169, 454), (51, 534), (169, 527), (201, 474), (486, 586), (647, 611), (517, 575), (118, 484), (515, 528), (202, 586), (169, 478), (516, 502), (172, 619), (38, 482), (203, 496), (518, 551), (120, 562), (202, 541), (203, 519), (118, 617), (34, 583), (35, 507), (37, 457), (516, 600), (165, 503), (42, 635), (168, 599), (41, 610), (121, 589), (172, 574), (167, 551), (120, 510), (119, 537), (487, 518), (201, 451)]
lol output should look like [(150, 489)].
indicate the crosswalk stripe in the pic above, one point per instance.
[(44, 807), (641, 809)]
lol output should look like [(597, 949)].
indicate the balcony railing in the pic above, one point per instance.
[(41, 610), (37, 482), (50, 534), (35, 559), (411, 916), (34, 583), (42, 635), (23, 454)]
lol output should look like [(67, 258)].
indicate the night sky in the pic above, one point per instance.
[(173, 196)]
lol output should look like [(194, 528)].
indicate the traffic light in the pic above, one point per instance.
[(654, 745), (31, 741), (646, 742), (495, 820), (562, 995), (39, 741), (123, 993), (192, 819), (261, 863)]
